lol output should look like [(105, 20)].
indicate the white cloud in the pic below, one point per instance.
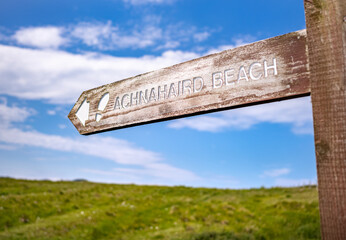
[(285, 182), (169, 45), (144, 163), (296, 112), (243, 40), (60, 77), (201, 36), (51, 112), (221, 48), (204, 123), (144, 37), (41, 37), (117, 150), (147, 163), (13, 114), (93, 34), (105, 36), (276, 172)]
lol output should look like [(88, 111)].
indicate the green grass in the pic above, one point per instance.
[(85, 210)]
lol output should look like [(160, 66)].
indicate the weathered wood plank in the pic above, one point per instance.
[(326, 27), (268, 70)]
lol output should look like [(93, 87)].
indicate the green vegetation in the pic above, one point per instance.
[(85, 210)]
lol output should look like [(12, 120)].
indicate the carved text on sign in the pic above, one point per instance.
[(230, 77)]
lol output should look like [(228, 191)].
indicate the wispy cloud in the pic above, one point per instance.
[(60, 77), (117, 150), (135, 159), (108, 36), (41, 37), (105, 36), (137, 165), (140, 162), (8, 114), (199, 37), (296, 112), (276, 172), (150, 33), (62, 126), (51, 112), (93, 34)]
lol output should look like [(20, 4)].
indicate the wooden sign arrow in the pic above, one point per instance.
[(268, 70)]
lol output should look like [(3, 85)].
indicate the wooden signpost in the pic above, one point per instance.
[(293, 65), (326, 28), (264, 71)]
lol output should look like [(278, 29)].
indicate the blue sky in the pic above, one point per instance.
[(51, 51)]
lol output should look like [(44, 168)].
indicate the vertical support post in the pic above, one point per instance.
[(326, 36)]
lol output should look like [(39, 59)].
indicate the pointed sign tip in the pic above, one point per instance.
[(83, 112)]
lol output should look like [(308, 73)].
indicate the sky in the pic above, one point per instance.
[(52, 51)]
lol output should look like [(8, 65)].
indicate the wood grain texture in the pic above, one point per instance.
[(291, 80), (326, 28)]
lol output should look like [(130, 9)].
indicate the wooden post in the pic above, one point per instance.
[(326, 33)]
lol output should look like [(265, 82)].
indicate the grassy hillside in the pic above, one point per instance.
[(84, 210)]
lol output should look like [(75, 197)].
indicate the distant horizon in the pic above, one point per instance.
[(157, 185)]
